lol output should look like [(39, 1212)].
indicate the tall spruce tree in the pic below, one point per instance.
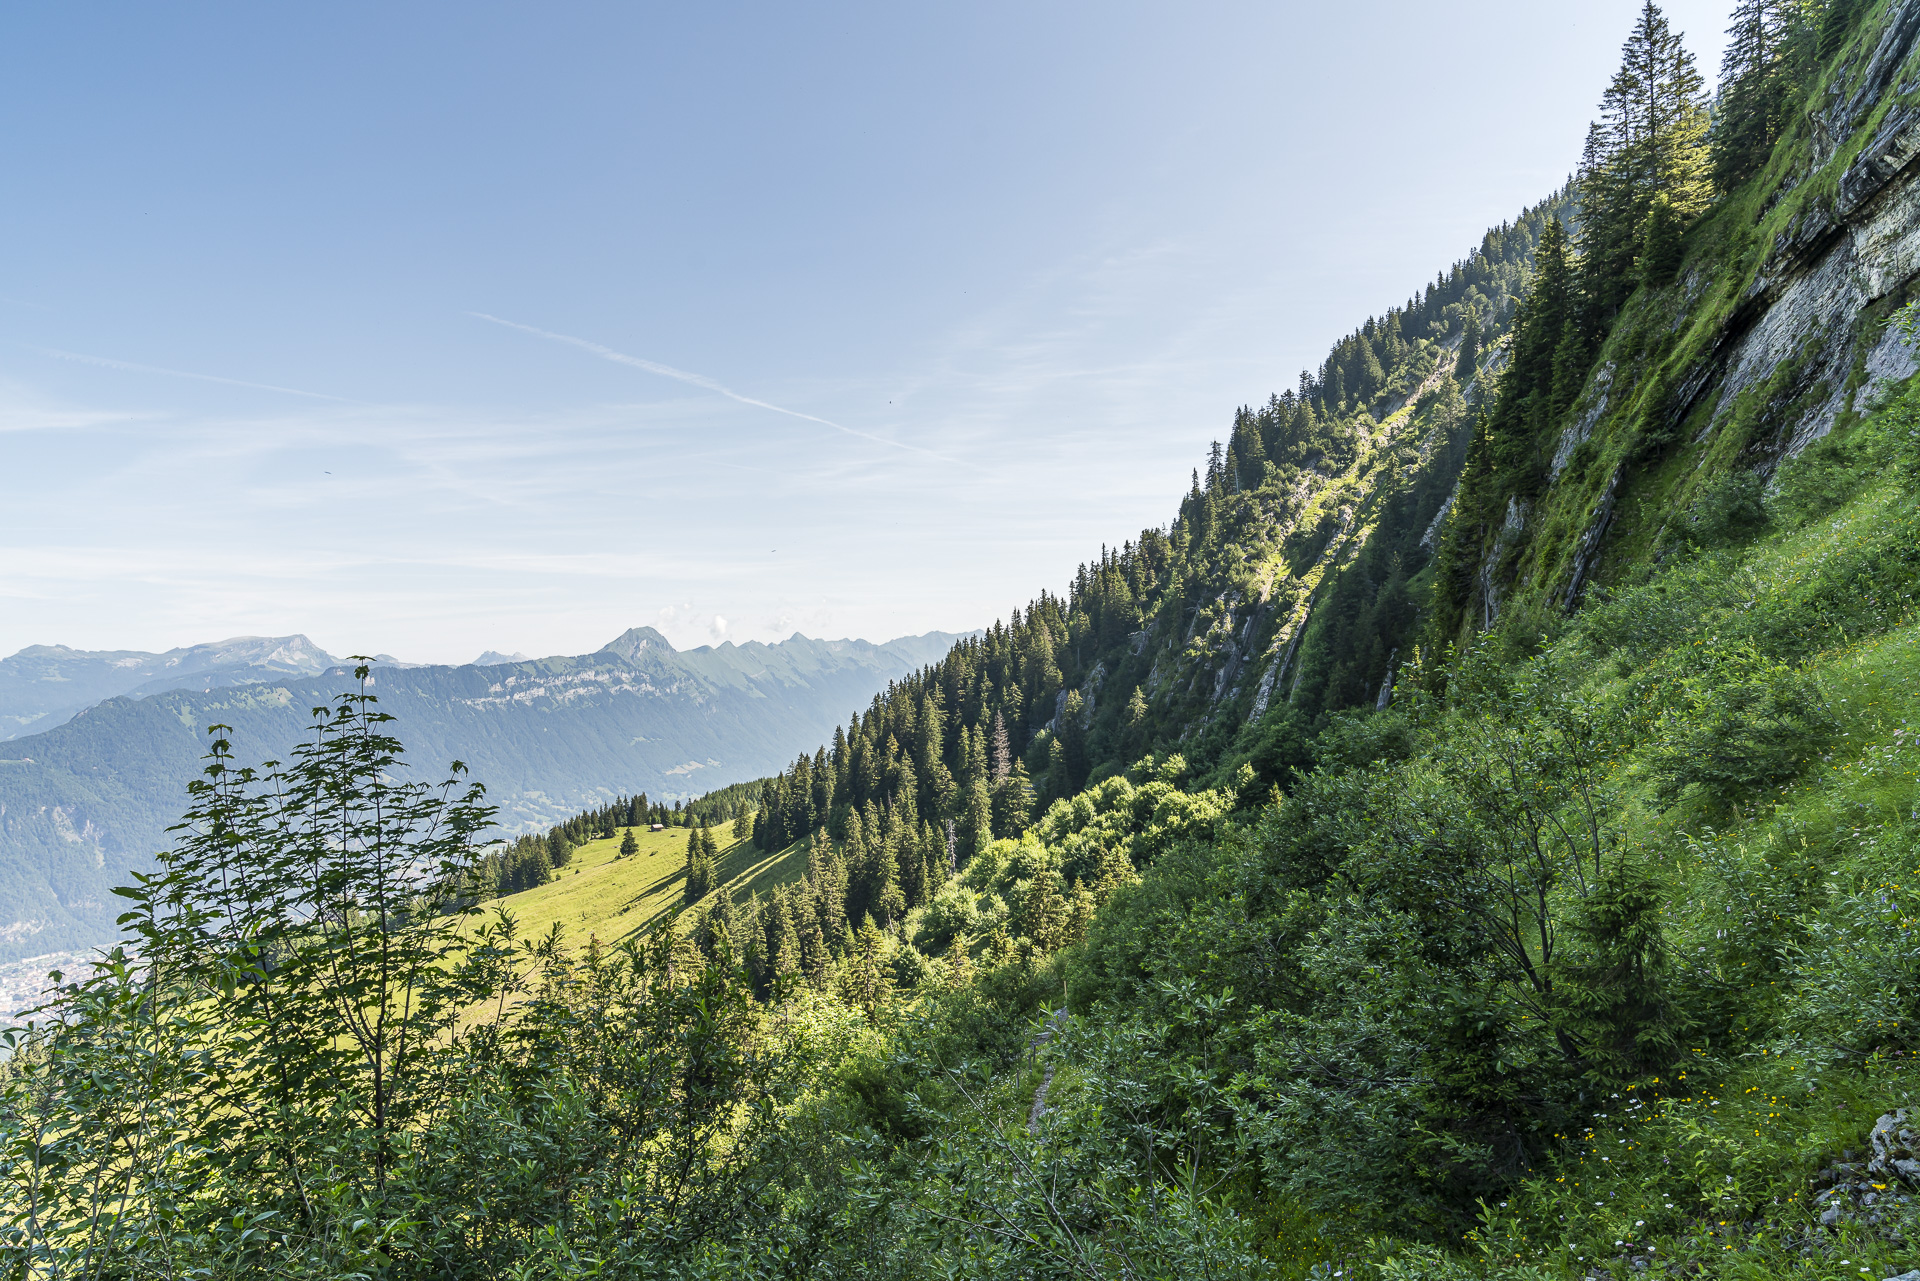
[(699, 869), (1651, 140), (1837, 24), (1469, 356), (1757, 86), (1537, 377)]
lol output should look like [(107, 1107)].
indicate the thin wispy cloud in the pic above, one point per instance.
[(701, 381), (128, 366)]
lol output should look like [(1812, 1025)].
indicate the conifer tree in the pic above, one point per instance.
[(1651, 140), (816, 960), (1837, 24), (751, 930), (1659, 243), (1519, 424), (867, 983), (823, 787), (910, 869), (827, 874), (959, 963), (976, 824), (1248, 451), (861, 890), (905, 789), (698, 872), (1013, 802), (706, 929), (1469, 355), (1757, 85), (1001, 757), (889, 896), (1073, 744), (628, 845), (783, 940)]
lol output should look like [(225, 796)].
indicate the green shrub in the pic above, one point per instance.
[(1728, 509), (952, 912), (1822, 477), (1744, 725)]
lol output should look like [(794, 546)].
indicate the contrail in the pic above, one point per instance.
[(701, 381), (128, 366)]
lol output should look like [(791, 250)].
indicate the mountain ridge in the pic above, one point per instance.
[(42, 686), (88, 801)]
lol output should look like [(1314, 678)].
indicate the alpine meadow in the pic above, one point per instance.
[(1478, 836)]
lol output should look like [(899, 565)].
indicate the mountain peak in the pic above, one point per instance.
[(494, 658), (631, 642)]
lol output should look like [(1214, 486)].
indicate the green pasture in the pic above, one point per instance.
[(600, 894)]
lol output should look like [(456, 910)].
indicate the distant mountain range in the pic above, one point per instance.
[(45, 685), (88, 800)]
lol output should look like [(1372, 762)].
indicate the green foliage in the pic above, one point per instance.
[(319, 1066), (1565, 948), (1743, 725), (1660, 243), (1825, 474), (1762, 74), (1837, 23), (1729, 508)]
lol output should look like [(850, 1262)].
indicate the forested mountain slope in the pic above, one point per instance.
[(1641, 424), (1289, 586), (83, 803), (1479, 839)]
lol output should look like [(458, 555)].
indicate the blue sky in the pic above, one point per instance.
[(433, 328)]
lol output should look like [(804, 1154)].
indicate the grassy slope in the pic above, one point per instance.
[(1788, 908), (598, 893)]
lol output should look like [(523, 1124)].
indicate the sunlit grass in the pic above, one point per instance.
[(600, 894)]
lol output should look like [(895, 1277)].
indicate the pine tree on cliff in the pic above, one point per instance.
[(1248, 453), (1511, 444), (1837, 24), (1651, 140), (1469, 359), (1757, 85), (1534, 385)]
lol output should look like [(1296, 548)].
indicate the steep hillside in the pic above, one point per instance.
[(1392, 504), (1478, 839), (1290, 586), (1487, 815), (82, 804), (1769, 333)]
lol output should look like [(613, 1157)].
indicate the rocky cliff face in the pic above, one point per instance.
[(1772, 335)]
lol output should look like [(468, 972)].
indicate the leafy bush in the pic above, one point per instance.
[(1729, 508), (1637, 623), (1744, 725), (953, 911), (1823, 476)]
